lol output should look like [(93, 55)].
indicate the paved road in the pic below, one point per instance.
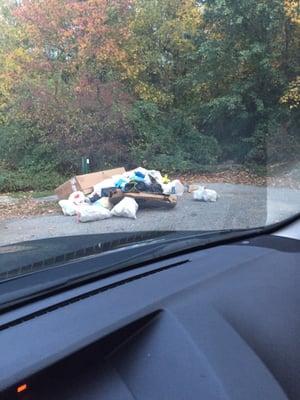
[(239, 206)]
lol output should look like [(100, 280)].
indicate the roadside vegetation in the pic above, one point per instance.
[(177, 85)]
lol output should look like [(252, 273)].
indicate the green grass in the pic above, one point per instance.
[(31, 193), (42, 193)]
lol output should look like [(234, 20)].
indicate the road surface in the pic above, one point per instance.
[(239, 206)]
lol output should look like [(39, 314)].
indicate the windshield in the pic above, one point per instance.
[(127, 116)]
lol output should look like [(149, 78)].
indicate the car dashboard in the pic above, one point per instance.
[(217, 324)]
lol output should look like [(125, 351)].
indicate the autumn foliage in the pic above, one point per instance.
[(175, 83)]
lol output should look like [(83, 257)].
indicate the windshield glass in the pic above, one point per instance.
[(146, 115)]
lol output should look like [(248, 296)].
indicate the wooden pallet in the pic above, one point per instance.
[(145, 199)]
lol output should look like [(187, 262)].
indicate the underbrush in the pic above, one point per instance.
[(25, 180)]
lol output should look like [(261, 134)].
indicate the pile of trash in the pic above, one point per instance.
[(99, 204), (122, 194), (79, 205), (140, 180)]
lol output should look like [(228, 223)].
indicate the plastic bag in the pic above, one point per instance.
[(68, 207), (92, 198), (77, 197), (107, 183), (142, 170), (203, 194), (167, 188), (156, 175), (127, 207), (115, 178), (121, 183), (165, 179), (177, 187), (142, 173), (92, 213), (103, 202), (174, 187)]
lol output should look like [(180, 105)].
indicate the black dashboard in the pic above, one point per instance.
[(222, 323)]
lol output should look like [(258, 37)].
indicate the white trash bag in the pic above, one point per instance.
[(156, 175), (103, 202), (68, 207), (173, 187), (167, 188), (77, 197), (127, 207), (92, 213), (203, 194), (177, 187), (107, 183)]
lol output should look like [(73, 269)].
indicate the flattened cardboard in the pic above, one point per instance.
[(85, 183)]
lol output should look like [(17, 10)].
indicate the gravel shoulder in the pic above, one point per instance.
[(239, 206)]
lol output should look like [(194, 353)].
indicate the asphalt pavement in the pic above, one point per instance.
[(239, 206)]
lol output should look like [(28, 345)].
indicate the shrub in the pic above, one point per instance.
[(167, 140), (201, 149), (24, 180)]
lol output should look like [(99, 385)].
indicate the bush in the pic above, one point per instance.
[(167, 140), (169, 163), (24, 180), (201, 149), (275, 139)]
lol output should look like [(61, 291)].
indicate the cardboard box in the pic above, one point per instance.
[(63, 191), (85, 183)]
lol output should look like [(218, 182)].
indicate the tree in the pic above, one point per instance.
[(242, 74), (68, 94), (169, 83)]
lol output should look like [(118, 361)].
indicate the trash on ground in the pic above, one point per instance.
[(68, 207), (121, 193), (203, 194), (94, 197), (85, 183), (146, 200), (127, 207), (77, 197), (90, 213), (101, 187), (192, 188), (139, 180), (105, 202), (174, 187)]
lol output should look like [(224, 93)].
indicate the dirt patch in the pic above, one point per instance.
[(6, 200), (27, 206), (235, 177)]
